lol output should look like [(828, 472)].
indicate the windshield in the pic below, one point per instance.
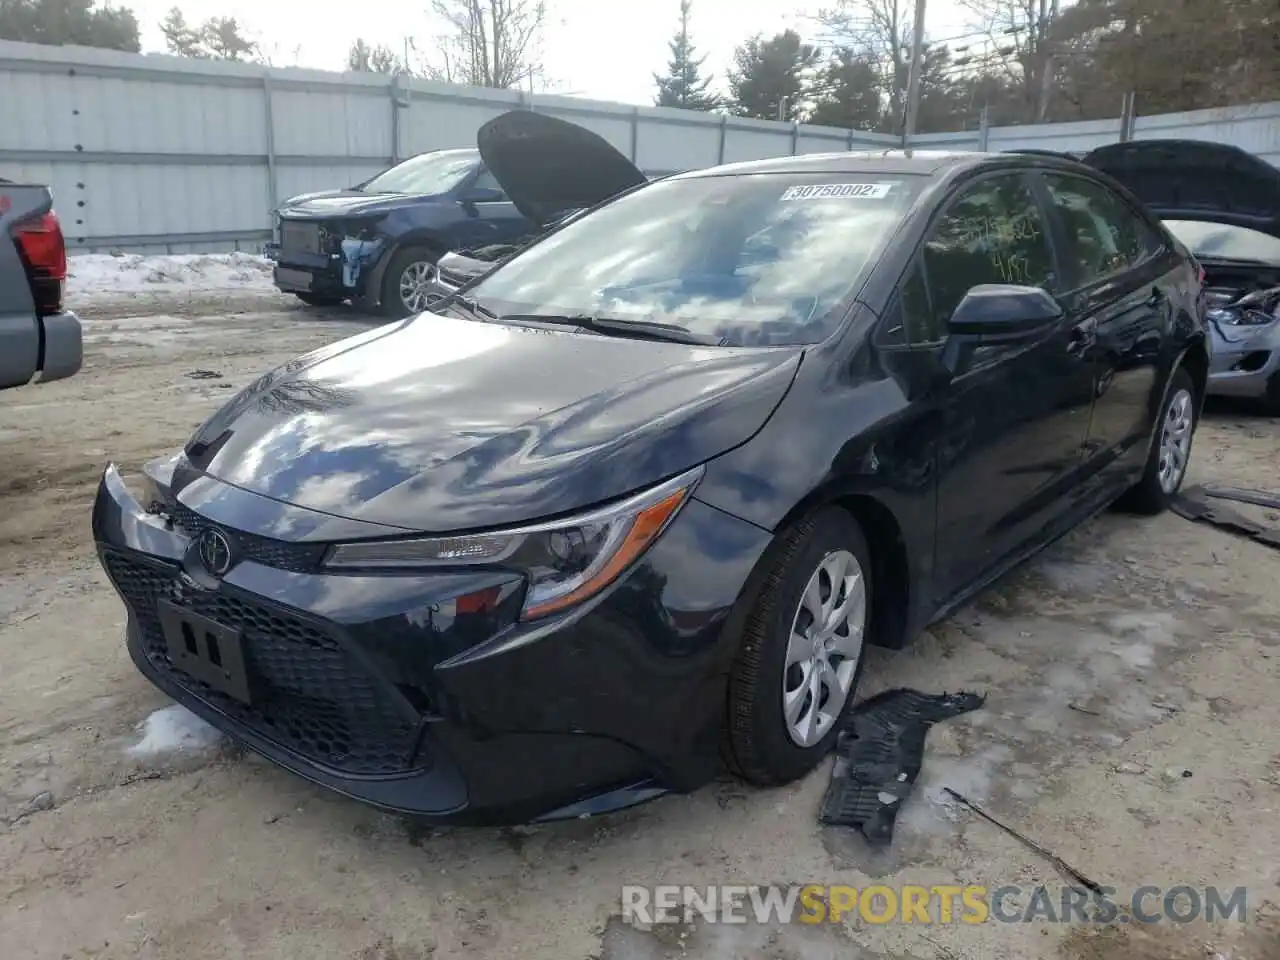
[(755, 260), (1225, 242), (430, 173)]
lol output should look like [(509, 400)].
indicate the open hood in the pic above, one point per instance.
[(1196, 180), (549, 166)]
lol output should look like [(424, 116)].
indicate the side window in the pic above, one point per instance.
[(1104, 237), (486, 182), (992, 233)]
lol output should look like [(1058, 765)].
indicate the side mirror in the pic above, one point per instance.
[(992, 313)]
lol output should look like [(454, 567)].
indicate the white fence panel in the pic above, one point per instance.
[(156, 152)]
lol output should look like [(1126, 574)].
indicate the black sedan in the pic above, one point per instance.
[(638, 499)]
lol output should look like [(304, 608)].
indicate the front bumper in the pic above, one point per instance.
[(1245, 364), (402, 692)]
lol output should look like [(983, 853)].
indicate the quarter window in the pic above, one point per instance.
[(992, 233), (1104, 237)]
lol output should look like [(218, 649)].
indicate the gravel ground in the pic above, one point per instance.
[(1133, 651)]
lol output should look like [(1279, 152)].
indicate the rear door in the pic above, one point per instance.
[(1121, 281)]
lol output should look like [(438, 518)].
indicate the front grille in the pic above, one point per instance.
[(300, 237), (312, 698), (294, 557)]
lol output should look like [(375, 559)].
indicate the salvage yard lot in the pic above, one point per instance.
[(1128, 654)]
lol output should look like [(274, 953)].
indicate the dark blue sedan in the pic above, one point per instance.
[(637, 500)]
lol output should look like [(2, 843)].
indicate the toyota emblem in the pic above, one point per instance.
[(215, 551)]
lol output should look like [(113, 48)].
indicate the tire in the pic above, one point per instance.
[(759, 745), (1271, 400), (319, 299), (393, 301), (1155, 491)]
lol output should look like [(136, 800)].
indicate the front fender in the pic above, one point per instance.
[(389, 245)]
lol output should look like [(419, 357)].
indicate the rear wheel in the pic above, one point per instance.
[(410, 282), (319, 299), (794, 678), (1170, 449)]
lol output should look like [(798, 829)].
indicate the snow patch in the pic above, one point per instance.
[(97, 275), (173, 729)]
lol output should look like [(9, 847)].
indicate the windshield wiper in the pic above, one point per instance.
[(470, 304), (644, 329)]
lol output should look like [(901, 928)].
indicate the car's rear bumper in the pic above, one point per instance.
[(421, 706)]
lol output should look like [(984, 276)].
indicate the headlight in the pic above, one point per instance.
[(1233, 317), (564, 561)]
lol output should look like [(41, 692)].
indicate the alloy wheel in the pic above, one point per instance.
[(417, 284), (824, 647), (1175, 440)]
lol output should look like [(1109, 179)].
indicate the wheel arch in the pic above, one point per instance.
[(891, 581), (427, 239), (1195, 358)]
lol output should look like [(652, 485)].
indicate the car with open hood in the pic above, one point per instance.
[(1223, 203), (637, 501), (378, 244), (553, 170)]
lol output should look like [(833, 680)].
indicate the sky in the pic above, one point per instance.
[(601, 49)]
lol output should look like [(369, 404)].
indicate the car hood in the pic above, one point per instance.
[(549, 166), (343, 203), (1196, 180), (440, 424)]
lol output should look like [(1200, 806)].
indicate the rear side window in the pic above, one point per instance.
[(992, 233), (1104, 237)]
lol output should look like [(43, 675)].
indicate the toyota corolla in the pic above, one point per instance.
[(635, 502)]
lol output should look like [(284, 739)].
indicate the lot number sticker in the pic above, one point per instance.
[(839, 191)]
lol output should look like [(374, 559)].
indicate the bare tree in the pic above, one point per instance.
[(879, 31), (489, 43), (1022, 31)]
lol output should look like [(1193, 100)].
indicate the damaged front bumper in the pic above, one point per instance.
[(347, 268)]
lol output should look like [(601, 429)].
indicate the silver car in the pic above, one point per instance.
[(1223, 204)]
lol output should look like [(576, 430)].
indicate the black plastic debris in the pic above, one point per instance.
[(1194, 504), (879, 754), (204, 375)]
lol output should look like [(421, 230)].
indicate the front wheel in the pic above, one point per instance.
[(410, 282), (1170, 452), (794, 678)]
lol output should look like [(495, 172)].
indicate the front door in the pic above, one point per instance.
[(1013, 424), (489, 216)]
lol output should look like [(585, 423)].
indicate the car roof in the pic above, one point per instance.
[(929, 163)]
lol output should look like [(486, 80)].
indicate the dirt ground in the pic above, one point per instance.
[(1130, 728)]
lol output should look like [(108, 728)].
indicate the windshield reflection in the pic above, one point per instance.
[(758, 260)]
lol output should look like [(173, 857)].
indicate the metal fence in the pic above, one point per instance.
[(157, 153)]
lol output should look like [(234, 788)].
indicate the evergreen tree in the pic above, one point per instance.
[(78, 22), (769, 77), (684, 87)]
